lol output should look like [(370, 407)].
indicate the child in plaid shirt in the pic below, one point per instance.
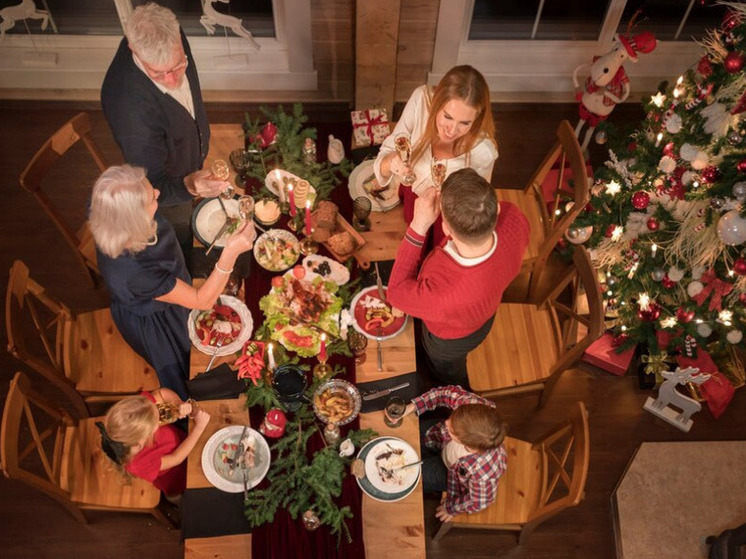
[(467, 456)]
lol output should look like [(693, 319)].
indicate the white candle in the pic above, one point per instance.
[(280, 187), (271, 358), (658, 139), (654, 249)]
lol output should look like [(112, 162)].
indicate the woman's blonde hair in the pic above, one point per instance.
[(153, 33), (130, 421), (478, 426), (118, 218), (466, 84)]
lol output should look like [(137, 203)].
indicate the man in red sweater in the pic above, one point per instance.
[(457, 288)]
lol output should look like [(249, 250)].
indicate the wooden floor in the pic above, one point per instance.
[(33, 526)]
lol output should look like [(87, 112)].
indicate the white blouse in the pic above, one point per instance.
[(413, 121)]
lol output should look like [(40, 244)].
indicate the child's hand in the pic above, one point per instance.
[(201, 419), (442, 515), (184, 410)]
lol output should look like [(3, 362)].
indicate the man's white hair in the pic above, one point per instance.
[(153, 34)]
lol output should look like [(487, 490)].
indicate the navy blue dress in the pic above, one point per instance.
[(155, 330)]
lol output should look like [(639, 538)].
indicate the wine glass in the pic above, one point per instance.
[(438, 168), (220, 171), (246, 207), (404, 151)]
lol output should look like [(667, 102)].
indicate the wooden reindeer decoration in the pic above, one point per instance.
[(608, 84), (25, 10), (212, 17), (669, 396)]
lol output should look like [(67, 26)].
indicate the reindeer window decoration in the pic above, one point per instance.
[(25, 10), (608, 84), (212, 17)]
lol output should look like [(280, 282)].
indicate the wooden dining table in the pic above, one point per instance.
[(390, 529)]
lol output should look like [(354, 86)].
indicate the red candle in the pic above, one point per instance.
[(308, 218), (322, 349), (291, 200)]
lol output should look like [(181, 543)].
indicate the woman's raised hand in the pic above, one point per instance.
[(243, 239), (398, 167)]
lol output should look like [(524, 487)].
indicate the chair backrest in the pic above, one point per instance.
[(25, 413), (565, 451), (35, 324), (566, 153), (577, 303), (32, 179)]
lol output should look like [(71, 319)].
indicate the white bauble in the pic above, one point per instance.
[(579, 235), (694, 288), (732, 228), (704, 330), (667, 164), (734, 337), (688, 152), (697, 272), (701, 161), (687, 177), (673, 124), (674, 274)]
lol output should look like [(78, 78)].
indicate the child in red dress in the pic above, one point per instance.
[(133, 438)]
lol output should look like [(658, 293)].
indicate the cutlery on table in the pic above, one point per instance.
[(379, 349), (220, 233), (245, 474), (239, 450), (222, 206), (385, 391), (218, 345), (404, 467), (379, 283)]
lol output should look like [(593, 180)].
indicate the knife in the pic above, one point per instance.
[(385, 391), (234, 461), (222, 206), (220, 233), (379, 283), (379, 350)]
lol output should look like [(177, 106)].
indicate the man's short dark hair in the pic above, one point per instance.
[(469, 205)]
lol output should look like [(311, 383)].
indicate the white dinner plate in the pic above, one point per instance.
[(247, 327), (277, 261), (271, 182), (208, 218), (363, 173), (358, 311), (218, 473), (328, 268), (372, 483)]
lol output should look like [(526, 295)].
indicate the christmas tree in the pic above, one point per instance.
[(666, 219)]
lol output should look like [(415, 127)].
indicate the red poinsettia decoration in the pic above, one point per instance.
[(251, 363), (266, 135)]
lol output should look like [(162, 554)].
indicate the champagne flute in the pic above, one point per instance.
[(220, 171), (438, 168), (404, 151)]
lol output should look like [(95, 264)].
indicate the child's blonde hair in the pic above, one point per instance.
[(127, 423), (478, 426)]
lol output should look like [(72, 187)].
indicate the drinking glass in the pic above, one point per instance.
[(438, 168), (361, 208), (246, 207), (357, 343), (404, 151), (394, 411), (220, 171)]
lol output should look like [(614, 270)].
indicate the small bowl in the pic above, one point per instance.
[(343, 389), (272, 210)]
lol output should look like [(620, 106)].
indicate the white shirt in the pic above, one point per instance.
[(182, 94), (450, 248), (413, 122), (452, 452)]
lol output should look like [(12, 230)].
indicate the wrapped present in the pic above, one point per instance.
[(370, 127), (604, 354)]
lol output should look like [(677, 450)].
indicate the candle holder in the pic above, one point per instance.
[(284, 207), (308, 246), (322, 370), (294, 223)]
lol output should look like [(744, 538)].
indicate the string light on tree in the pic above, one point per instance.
[(613, 188)]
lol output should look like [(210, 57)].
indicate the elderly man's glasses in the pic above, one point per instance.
[(178, 68)]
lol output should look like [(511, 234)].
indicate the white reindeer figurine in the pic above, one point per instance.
[(26, 9), (669, 396), (212, 17), (608, 84)]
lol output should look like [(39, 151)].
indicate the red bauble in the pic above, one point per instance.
[(669, 149), (631, 147), (733, 62), (741, 166), (640, 199), (704, 67), (562, 243), (710, 175), (739, 266), (740, 105), (731, 19), (653, 224), (609, 231), (616, 341), (683, 315), (653, 313), (667, 282)]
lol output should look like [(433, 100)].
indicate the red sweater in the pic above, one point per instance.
[(455, 300)]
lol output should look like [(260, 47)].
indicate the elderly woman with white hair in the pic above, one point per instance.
[(143, 267)]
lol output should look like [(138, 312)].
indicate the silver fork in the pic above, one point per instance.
[(214, 354)]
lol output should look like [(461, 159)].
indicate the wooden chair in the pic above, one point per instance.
[(85, 356), (543, 479), (41, 445), (32, 179), (546, 226), (531, 345)]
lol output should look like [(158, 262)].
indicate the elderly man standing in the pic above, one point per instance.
[(152, 101)]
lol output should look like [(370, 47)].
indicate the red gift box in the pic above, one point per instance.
[(370, 127), (603, 354)]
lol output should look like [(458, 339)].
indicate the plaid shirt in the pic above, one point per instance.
[(472, 480)]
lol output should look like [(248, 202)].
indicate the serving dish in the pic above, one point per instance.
[(197, 319), (336, 401), (208, 218), (223, 443), (374, 455)]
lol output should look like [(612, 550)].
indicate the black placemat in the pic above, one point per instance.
[(415, 388), (203, 264), (217, 384), (210, 512), (368, 277)]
